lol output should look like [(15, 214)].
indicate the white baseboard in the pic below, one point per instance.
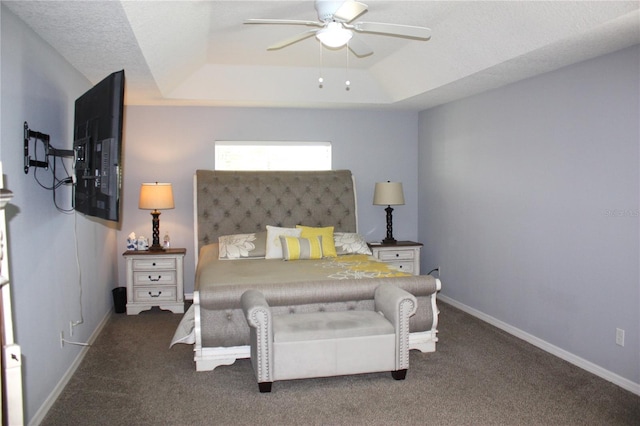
[(53, 396), (548, 347), (188, 296)]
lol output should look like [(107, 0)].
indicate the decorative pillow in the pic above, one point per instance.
[(350, 243), (301, 248), (328, 246), (242, 246), (274, 247)]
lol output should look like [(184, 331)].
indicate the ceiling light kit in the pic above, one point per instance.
[(337, 30), (334, 35)]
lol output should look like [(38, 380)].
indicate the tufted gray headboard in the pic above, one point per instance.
[(231, 202)]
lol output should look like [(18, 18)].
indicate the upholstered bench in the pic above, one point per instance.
[(322, 344)]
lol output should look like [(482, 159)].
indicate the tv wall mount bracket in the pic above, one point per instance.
[(48, 149)]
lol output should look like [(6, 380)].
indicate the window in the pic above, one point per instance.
[(250, 155)]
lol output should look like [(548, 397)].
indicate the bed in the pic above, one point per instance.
[(247, 223)]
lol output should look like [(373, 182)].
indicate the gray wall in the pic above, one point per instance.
[(170, 143), (39, 86), (529, 198)]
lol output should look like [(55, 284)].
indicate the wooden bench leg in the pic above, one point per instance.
[(265, 387), (399, 374)]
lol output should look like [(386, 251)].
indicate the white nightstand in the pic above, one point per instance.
[(155, 278), (403, 254)]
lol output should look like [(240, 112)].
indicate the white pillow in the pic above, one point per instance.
[(274, 247), (242, 246), (350, 243)]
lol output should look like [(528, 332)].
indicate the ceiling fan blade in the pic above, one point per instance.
[(291, 40), (359, 47), (409, 31), (285, 22), (350, 10)]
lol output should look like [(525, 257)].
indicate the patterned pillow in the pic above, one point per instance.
[(274, 247), (242, 246), (301, 248), (328, 246), (350, 243)]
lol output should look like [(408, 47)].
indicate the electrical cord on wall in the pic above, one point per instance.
[(69, 342), (72, 324), (81, 320), (75, 234)]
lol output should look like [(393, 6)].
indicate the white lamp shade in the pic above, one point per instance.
[(156, 196), (388, 194), (334, 35)]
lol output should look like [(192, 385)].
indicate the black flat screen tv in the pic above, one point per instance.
[(97, 142)]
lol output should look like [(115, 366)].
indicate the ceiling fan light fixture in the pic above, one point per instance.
[(334, 35)]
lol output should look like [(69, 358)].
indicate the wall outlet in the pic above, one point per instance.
[(619, 337), (436, 270)]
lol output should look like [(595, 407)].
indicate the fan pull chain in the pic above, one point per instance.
[(347, 82), (320, 79)]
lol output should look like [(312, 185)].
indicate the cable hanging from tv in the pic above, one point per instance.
[(46, 163)]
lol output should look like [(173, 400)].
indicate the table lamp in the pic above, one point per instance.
[(156, 196), (388, 194)]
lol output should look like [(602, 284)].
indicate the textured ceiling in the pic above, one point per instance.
[(201, 53)]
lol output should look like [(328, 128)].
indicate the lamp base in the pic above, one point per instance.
[(155, 225), (389, 239)]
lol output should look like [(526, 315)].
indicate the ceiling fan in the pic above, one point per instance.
[(336, 28)]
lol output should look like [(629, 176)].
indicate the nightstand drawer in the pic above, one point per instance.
[(154, 277), (392, 255), (154, 294), (404, 266), (154, 263)]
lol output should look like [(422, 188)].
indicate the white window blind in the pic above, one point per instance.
[(269, 155)]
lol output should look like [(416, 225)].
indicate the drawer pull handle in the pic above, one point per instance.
[(155, 295), (155, 279), (397, 254), (154, 263)]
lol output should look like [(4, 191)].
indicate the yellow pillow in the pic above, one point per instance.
[(294, 248), (328, 245)]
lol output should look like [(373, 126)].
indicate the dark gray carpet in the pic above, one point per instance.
[(479, 375)]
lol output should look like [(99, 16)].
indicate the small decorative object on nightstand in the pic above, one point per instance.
[(402, 254), (155, 278)]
